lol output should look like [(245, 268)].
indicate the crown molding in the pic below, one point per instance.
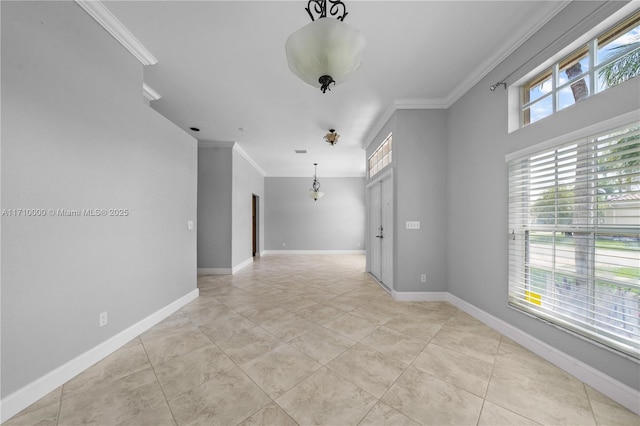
[(361, 175), (236, 147), (244, 155), (487, 66), (400, 104), (149, 93), (215, 144), (109, 22), (462, 88)]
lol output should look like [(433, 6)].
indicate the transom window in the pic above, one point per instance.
[(381, 157), (574, 224), (609, 59)]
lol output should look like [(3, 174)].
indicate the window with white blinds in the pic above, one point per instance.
[(574, 224)]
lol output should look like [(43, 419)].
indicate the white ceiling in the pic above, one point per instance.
[(222, 68)]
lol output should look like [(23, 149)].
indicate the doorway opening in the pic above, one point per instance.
[(255, 206)]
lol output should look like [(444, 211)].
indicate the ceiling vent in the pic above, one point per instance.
[(301, 151)]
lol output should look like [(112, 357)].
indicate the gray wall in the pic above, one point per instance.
[(246, 183), (226, 183), (419, 146), (334, 222), (477, 198), (215, 195), (76, 134)]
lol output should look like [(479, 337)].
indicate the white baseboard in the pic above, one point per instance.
[(225, 271), (420, 296), (617, 391), (242, 265), (215, 271), (267, 252), (22, 398)]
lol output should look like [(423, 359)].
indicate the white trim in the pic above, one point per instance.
[(149, 94), (396, 105), (380, 283), (271, 252), (244, 155), (225, 271), (584, 132), (617, 391), (380, 177), (215, 271), (109, 22), (215, 144), (22, 398), (420, 296), (295, 175), (242, 265), (236, 146), (487, 66)]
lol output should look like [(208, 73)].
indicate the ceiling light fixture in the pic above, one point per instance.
[(331, 137), (325, 51), (314, 192)]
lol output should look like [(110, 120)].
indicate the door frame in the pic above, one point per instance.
[(376, 180)]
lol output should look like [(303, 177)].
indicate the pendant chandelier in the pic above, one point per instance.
[(325, 51), (314, 192)]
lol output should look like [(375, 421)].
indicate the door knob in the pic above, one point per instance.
[(379, 236)]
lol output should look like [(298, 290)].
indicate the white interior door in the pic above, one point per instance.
[(375, 215), (387, 232), (381, 231)]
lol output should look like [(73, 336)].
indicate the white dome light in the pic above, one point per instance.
[(325, 51)]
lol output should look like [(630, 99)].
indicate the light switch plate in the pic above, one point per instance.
[(413, 224)]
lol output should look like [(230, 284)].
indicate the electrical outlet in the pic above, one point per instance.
[(103, 319), (413, 224), (423, 278), (284, 244)]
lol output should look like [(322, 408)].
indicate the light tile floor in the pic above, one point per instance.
[(313, 340)]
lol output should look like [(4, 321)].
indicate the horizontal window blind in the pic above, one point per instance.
[(574, 221)]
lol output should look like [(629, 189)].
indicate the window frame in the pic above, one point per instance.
[(521, 229), (376, 165), (590, 50)]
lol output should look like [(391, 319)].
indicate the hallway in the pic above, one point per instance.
[(312, 339)]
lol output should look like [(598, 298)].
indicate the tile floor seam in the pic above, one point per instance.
[(357, 423), (480, 413), (497, 404), (401, 412), (59, 407), (493, 366), (166, 400), (593, 414), (262, 390), (288, 389), (486, 390)]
